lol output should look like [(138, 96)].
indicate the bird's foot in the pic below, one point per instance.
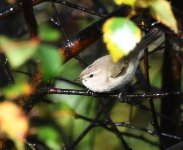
[(121, 97), (91, 93)]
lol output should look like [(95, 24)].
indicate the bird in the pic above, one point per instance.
[(103, 75)]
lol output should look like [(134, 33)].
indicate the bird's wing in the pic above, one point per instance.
[(119, 68)]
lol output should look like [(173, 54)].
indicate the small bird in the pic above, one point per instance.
[(103, 75)]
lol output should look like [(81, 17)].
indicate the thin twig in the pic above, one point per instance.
[(114, 128), (13, 9), (84, 133), (69, 81), (78, 7), (155, 120), (30, 17)]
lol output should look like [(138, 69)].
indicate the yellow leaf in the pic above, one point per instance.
[(161, 11), (13, 122), (121, 36), (144, 3), (18, 52), (127, 2), (16, 90)]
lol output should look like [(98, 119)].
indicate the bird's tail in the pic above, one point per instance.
[(148, 39)]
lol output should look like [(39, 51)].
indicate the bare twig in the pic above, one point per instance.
[(83, 134), (155, 120), (78, 7), (113, 127), (29, 17), (122, 97), (13, 9), (171, 81)]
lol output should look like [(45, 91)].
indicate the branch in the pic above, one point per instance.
[(88, 36), (154, 116), (105, 123), (68, 49), (29, 17), (6, 76), (84, 133), (171, 81), (122, 97), (111, 123), (128, 125), (15, 8), (78, 7)]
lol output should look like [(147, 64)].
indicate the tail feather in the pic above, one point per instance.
[(148, 39)]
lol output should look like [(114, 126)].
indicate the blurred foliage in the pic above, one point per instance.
[(49, 136), (51, 65), (16, 90), (47, 33), (11, 1), (159, 9), (58, 118), (14, 123), (18, 52), (121, 35)]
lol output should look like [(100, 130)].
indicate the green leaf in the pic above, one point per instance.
[(18, 52), (47, 33), (49, 136), (16, 90), (161, 10), (50, 61), (61, 109), (121, 36)]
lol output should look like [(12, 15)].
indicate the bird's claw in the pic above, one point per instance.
[(121, 98), (89, 92)]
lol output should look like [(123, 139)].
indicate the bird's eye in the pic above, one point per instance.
[(91, 76)]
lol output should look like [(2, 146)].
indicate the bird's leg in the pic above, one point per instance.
[(121, 93)]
